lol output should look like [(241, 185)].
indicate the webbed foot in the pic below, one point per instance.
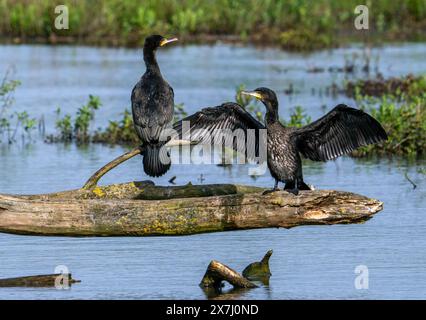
[(293, 191), (270, 191)]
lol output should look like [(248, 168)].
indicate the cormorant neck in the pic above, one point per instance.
[(271, 115), (150, 60)]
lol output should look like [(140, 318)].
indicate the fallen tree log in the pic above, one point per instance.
[(142, 209), (47, 280)]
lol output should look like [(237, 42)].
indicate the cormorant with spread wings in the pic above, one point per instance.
[(339, 132)]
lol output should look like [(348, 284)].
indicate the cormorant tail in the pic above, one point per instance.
[(156, 160), (302, 186)]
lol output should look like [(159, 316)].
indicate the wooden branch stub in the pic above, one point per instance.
[(47, 280), (217, 272), (93, 180), (259, 270)]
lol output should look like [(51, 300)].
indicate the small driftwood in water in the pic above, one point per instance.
[(259, 270), (217, 272), (48, 280)]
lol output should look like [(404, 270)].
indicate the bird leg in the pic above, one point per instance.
[(272, 190)]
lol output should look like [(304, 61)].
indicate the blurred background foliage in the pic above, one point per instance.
[(293, 24)]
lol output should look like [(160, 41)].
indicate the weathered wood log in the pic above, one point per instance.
[(142, 209), (47, 280), (217, 272)]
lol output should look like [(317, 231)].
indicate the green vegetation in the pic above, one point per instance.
[(404, 121), (12, 123), (293, 24), (118, 132), (399, 104), (79, 129)]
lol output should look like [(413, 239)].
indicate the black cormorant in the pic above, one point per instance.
[(152, 109), (339, 132)]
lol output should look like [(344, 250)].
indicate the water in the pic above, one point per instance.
[(310, 262)]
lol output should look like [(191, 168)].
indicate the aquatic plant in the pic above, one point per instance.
[(404, 121), (298, 118), (118, 132), (79, 129), (64, 126), (85, 115), (12, 123)]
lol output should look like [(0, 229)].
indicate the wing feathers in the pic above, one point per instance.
[(339, 132), (221, 124)]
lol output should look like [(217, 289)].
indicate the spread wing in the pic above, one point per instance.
[(228, 124), (339, 132)]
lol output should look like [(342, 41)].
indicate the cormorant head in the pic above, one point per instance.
[(267, 96), (155, 41)]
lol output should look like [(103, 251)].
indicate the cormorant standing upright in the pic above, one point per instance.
[(152, 109), (339, 132)]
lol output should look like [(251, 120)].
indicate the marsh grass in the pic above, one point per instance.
[(293, 24)]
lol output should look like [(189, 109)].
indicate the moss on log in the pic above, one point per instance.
[(142, 209)]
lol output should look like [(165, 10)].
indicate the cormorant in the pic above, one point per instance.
[(339, 132), (152, 109)]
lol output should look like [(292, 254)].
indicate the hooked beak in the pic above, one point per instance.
[(166, 41), (255, 94)]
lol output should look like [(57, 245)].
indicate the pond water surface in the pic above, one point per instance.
[(309, 262)]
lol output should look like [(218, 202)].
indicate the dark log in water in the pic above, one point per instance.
[(259, 270), (217, 272), (48, 280), (142, 209)]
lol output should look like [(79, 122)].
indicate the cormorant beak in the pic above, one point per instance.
[(166, 41), (255, 94)]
